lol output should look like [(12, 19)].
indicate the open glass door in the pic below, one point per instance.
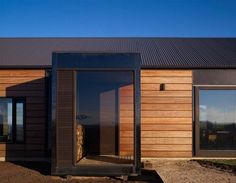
[(104, 118)]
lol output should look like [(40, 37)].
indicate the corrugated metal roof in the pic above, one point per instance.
[(155, 52)]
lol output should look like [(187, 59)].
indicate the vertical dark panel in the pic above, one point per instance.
[(64, 118), (48, 97)]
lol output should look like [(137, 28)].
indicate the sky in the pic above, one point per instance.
[(117, 18), (218, 106)]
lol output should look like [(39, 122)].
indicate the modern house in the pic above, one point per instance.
[(95, 106)]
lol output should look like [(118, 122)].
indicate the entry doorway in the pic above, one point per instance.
[(96, 114), (104, 113)]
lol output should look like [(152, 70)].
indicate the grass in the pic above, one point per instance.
[(223, 164), (230, 162)]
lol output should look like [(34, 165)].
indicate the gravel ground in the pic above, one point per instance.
[(168, 171), (182, 171), (32, 172)]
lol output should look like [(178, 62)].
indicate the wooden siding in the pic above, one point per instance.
[(64, 118), (166, 123), (126, 119), (29, 84)]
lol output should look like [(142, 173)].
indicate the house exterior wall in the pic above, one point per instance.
[(166, 122), (166, 116), (31, 85), (126, 121)]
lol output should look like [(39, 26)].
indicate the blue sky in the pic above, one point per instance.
[(118, 18)]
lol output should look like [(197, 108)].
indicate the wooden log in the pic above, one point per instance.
[(80, 142)]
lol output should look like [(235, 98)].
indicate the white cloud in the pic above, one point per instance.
[(217, 115)]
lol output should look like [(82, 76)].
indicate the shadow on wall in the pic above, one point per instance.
[(25, 102)]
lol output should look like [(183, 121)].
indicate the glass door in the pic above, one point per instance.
[(104, 117)]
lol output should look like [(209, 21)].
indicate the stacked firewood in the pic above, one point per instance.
[(80, 142)]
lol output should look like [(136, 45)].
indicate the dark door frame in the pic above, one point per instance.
[(198, 151), (73, 61)]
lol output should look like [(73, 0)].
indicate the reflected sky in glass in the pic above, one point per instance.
[(6, 118), (218, 106), (217, 119), (19, 121)]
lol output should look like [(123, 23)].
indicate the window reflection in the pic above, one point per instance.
[(217, 116), (19, 121), (11, 119), (5, 119), (104, 110)]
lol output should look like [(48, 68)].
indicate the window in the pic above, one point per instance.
[(5, 119), (216, 120), (12, 119)]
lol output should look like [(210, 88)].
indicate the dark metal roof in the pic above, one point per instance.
[(155, 52)]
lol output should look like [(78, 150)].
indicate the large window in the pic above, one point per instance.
[(216, 119), (12, 119)]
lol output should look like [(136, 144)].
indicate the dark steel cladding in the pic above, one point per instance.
[(191, 53)]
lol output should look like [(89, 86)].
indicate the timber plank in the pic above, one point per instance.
[(184, 80), (168, 73), (152, 93), (159, 134), (22, 72), (159, 147), (166, 154), (168, 87), (164, 120), (171, 127), (164, 107), (175, 114), (21, 80), (166, 100)]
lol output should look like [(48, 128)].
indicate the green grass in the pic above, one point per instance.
[(231, 162)]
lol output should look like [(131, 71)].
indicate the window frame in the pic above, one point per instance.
[(15, 100), (198, 151)]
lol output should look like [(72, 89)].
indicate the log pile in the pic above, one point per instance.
[(80, 142)]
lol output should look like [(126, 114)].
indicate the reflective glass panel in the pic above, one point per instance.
[(5, 119), (19, 121), (217, 117), (105, 117)]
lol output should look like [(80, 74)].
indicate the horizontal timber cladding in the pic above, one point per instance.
[(64, 118), (126, 117), (31, 85), (166, 116)]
